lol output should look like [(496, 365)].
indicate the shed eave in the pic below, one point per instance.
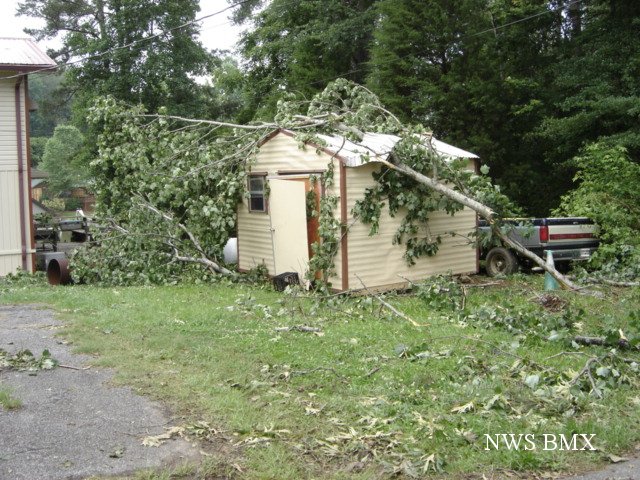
[(23, 68)]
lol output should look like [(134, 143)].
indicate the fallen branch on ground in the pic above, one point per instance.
[(203, 259), (74, 368), (371, 372), (391, 307), (565, 353), (586, 370), (319, 369), (482, 285), (613, 283), (299, 328), (622, 343)]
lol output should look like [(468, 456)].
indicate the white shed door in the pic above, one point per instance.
[(288, 211)]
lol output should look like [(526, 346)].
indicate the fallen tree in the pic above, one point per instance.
[(352, 110), (488, 214), (190, 175)]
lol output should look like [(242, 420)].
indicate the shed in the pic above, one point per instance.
[(18, 57), (274, 228)]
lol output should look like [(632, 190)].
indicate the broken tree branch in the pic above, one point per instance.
[(263, 126), (564, 281), (391, 307), (586, 370), (486, 213), (299, 328), (371, 372), (203, 259), (319, 369), (70, 367), (613, 283), (600, 341)]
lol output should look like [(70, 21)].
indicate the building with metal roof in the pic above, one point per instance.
[(22, 54), (276, 229), (18, 58)]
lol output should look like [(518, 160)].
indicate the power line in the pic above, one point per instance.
[(132, 43), (545, 12)]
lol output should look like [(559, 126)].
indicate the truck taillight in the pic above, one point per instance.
[(544, 233)]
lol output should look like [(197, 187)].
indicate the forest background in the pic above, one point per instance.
[(525, 84)]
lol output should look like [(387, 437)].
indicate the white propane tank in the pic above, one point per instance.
[(230, 251)]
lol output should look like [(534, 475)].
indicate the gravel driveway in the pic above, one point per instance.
[(72, 423)]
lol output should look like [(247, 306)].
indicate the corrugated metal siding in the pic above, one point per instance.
[(374, 259), (10, 258), (10, 242), (254, 239), (7, 123), (379, 263), (254, 229)]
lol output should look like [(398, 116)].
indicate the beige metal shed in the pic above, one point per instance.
[(18, 57), (273, 228)]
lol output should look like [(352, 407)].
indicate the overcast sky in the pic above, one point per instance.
[(216, 32)]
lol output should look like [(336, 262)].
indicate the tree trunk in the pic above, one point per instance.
[(486, 213)]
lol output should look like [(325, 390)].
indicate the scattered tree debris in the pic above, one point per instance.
[(319, 369), (70, 367), (613, 283), (157, 440), (24, 360), (551, 302), (621, 343), (117, 452), (586, 370), (373, 371), (391, 307), (299, 328)]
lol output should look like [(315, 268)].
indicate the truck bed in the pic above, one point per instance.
[(569, 239)]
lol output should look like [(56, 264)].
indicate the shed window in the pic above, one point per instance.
[(257, 201)]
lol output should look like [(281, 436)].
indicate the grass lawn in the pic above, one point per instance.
[(365, 394)]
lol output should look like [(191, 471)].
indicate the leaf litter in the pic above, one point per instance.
[(25, 360)]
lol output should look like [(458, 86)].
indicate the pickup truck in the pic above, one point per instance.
[(569, 239)]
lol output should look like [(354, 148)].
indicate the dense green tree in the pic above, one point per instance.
[(224, 94), (595, 92), (65, 159), (299, 47), (451, 66), (139, 51), (37, 150), (51, 102), (607, 191), (525, 84)]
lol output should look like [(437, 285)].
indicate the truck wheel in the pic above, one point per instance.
[(501, 261)]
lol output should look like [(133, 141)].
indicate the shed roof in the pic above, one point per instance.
[(378, 146), (373, 147), (22, 54), (37, 173)]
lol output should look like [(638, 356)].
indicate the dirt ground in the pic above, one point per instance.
[(72, 423)]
